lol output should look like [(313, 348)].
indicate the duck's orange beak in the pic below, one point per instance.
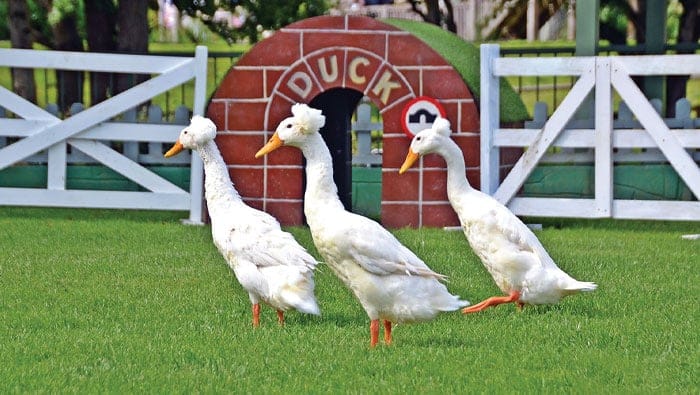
[(271, 145), (175, 149), (411, 158)]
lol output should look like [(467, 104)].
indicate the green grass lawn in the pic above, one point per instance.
[(95, 301)]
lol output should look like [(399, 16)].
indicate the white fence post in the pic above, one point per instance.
[(489, 118), (90, 131), (680, 147), (603, 140), (654, 125), (547, 135)]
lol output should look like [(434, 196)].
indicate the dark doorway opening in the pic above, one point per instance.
[(338, 105)]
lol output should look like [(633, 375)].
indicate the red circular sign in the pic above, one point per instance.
[(419, 114)]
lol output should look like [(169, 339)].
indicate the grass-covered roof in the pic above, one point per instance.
[(464, 57)]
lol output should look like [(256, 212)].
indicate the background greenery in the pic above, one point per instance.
[(121, 301), (462, 58)]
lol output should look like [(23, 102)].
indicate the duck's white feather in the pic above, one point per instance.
[(267, 261), (509, 250), (376, 250), (389, 280), (511, 253)]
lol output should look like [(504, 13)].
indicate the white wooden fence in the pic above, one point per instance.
[(90, 131), (602, 73)]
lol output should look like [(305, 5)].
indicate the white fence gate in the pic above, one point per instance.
[(88, 130), (600, 73)]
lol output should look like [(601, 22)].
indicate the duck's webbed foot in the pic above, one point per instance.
[(514, 297)]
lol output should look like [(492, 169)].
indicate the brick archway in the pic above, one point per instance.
[(307, 58)]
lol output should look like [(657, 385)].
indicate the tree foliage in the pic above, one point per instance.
[(122, 26), (431, 12), (259, 15)]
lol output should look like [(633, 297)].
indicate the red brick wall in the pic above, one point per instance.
[(306, 58)]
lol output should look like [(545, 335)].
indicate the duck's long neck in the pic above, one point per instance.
[(457, 182), (217, 183), (320, 187)]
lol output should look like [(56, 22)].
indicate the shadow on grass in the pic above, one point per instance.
[(580, 309), (332, 319), (587, 310), (443, 340), (465, 331), (342, 320)]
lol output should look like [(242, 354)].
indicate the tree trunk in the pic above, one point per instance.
[(433, 14), (70, 83), (100, 23), (640, 21), (450, 17), (20, 35), (431, 7), (676, 85), (132, 37)]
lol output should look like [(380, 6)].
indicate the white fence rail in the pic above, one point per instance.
[(89, 131), (599, 74)]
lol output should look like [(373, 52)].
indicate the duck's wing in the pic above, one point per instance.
[(260, 240), (379, 252), (502, 230), (254, 216)]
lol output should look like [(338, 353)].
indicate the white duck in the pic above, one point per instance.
[(267, 261), (391, 282), (509, 250)]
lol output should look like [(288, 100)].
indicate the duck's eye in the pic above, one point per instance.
[(289, 125), (184, 132), (418, 138)]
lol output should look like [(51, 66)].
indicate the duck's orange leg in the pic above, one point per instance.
[(387, 332), (373, 333), (256, 315), (280, 317), (493, 301)]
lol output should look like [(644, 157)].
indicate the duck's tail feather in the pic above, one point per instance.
[(450, 302), (583, 286), (301, 296), (308, 306)]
